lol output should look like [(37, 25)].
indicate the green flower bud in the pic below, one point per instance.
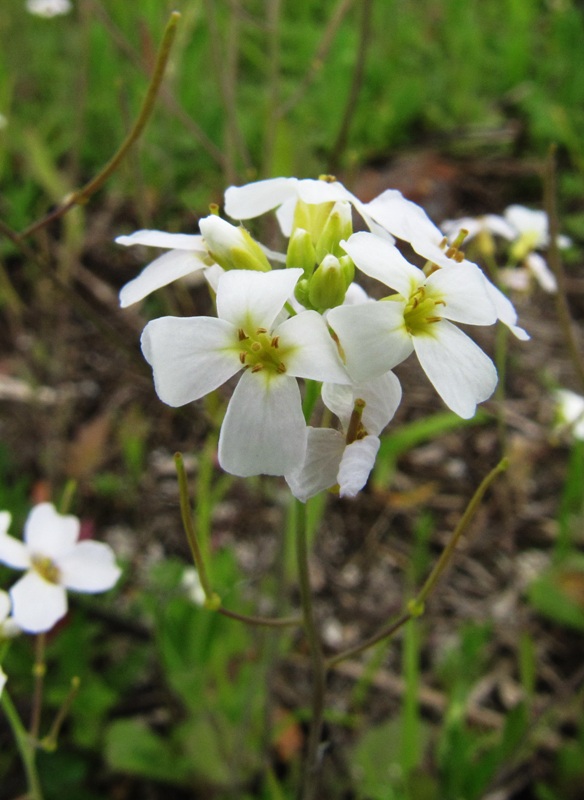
[(301, 293), (327, 286), (301, 252), (311, 217), (338, 226), (348, 268), (232, 247)]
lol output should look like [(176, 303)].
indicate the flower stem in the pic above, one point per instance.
[(82, 195), (25, 746), (311, 766)]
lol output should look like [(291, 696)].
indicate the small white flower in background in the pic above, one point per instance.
[(570, 412), (191, 583), (48, 8), (8, 625), (409, 222), (264, 431), (491, 224), (2, 680), (375, 337), (54, 561), (346, 458)]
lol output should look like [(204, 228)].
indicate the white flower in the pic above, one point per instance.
[(2, 680), (570, 412), (187, 254), (375, 337), (8, 625), (475, 226), (282, 194), (409, 222), (54, 561), (264, 431), (48, 8), (533, 226), (346, 458)]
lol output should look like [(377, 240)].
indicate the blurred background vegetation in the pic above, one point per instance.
[(463, 95)]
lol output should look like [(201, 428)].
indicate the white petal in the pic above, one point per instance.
[(505, 311), (254, 199), (165, 269), (402, 217), (316, 191), (89, 567), (530, 221), (2, 680), (356, 464), (321, 464), (382, 396), (380, 259), (168, 241), (372, 336), (48, 533), (5, 519), (285, 215), (264, 432), (14, 552), (37, 604), (190, 357), (465, 293), (254, 299), (461, 373), (543, 274), (315, 355)]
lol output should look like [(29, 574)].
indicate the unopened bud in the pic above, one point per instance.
[(312, 217), (327, 286), (301, 252), (232, 247), (337, 227)]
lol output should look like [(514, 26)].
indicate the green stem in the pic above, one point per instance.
[(81, 196), (311, 765), (416, 606), (212, 600), (270, 622), (25, 746)]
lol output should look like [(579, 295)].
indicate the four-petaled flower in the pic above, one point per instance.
[(54, 561), (376, 337), (264, 430)]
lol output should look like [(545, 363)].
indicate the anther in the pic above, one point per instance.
[(459, 256), (262, 330), (281, 368), (242, 356), (433, 319), (275, 341), (257, 367), (241, 335)]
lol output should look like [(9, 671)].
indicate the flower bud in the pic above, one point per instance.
[(232, 247), (301, 293), (337, 227), (327, 286), (301, 252), (312, 217)]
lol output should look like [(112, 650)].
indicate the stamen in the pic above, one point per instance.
[(433, 319), (355, 429), (257, 367), (241, 335), (262, 330), (275, 341), (281, 368), (242, 356)]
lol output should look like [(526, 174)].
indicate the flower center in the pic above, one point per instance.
[(261, 351), (421, 311), (46, 568)]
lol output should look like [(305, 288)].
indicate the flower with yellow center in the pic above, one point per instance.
[(55, 561), (375, 337), (264, 431)]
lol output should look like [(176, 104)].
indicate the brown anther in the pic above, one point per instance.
[(281, 368), (257, 368), (275, 341), (416, 302), (433, 319), (459, 256), (443, 243), (241, 334), (439, 302), (262, 330), (451, 252), (242, 357)]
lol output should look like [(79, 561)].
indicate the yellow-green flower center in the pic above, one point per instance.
[(261, 351), (46, 568), (422, 311)]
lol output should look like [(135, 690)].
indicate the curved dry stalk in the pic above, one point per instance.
[(81, 196)]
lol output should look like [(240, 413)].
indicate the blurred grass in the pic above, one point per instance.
[(453, 68)]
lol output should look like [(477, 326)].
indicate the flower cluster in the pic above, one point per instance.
[(54, 561), (299, 314), (526, 232)]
